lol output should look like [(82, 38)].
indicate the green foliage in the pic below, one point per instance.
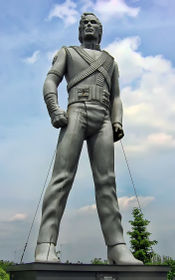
[(99, 261), (158, 260), (141, 246), (5, 264), (3, 275), (171, 273), (3, 269)]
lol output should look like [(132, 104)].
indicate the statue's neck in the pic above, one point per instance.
[(91, 45)]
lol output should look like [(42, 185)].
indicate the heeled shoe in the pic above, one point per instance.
[(119, 254), (45, 252)]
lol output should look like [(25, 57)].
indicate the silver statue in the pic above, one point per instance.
[(94, 114)]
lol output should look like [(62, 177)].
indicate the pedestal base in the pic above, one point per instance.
[(54, 271)]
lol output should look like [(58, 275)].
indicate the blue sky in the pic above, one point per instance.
[(139, 34)]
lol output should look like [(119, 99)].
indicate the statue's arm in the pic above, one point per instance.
[(54, 77), (117, 108)]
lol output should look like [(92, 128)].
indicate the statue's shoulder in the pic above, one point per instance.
[(109, 54), (71, 49), (60, 53), (64, 51)]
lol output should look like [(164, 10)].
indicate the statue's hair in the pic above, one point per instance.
[(83, 17)]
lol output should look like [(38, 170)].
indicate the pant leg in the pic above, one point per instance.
[(101, 153), (66, 161)]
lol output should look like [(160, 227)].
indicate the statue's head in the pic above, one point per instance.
[(90, 27)]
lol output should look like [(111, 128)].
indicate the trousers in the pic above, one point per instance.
[(91, 122)]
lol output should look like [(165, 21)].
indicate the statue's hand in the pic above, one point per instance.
[(59, 118), (118, 131)]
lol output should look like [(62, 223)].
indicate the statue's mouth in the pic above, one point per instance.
[(89, 29)]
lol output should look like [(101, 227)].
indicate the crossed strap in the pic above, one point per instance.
[(102, 64)]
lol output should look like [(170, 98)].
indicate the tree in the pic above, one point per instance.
[(3, 274), (3, 269), (141, 246), (5, 264)]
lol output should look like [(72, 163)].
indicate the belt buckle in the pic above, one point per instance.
[(83, 93)]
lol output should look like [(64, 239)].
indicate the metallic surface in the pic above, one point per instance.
[(94, 114), (92, 122)]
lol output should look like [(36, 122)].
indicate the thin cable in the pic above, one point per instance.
[(132, 181), (50, 165)]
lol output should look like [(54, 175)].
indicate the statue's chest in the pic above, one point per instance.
[(76, 62), (93, 53)]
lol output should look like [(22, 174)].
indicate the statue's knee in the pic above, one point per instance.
[(105, 180)]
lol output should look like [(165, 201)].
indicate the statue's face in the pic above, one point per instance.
[(90, 28)]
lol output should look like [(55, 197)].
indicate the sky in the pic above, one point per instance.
[(139, 35)]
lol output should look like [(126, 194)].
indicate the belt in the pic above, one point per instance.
[(89, 93)]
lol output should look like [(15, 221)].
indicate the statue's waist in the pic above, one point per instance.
[(89, 93)]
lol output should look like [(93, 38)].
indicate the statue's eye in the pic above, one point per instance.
[(93, 21), (85, 21)]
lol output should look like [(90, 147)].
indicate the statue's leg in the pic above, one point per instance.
[(101, 153), (67, 156)]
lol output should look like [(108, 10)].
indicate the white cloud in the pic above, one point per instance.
[(154, 141), (126, 202), (65, 11), (111, 8), (87, 209), (147, 90), (161, 139), (18, 217), (129, 60), (32, 59), (87, 5)]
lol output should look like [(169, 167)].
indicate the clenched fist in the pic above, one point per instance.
[(118, 131), (59, 118)]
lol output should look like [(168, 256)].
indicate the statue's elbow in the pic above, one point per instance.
[(49, 86)]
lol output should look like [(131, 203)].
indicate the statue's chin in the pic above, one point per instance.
[(89, 37)]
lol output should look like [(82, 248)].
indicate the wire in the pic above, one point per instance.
[(132, 180), (27, 240)]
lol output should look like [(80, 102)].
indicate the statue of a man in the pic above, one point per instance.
[(94, 114)]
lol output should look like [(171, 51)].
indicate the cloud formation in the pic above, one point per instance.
[(18, 217), (147, 90), (65, 11), (111, 8), (32, 59), (125, 204)]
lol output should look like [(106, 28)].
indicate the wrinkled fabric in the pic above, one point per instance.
[(91, 122)]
